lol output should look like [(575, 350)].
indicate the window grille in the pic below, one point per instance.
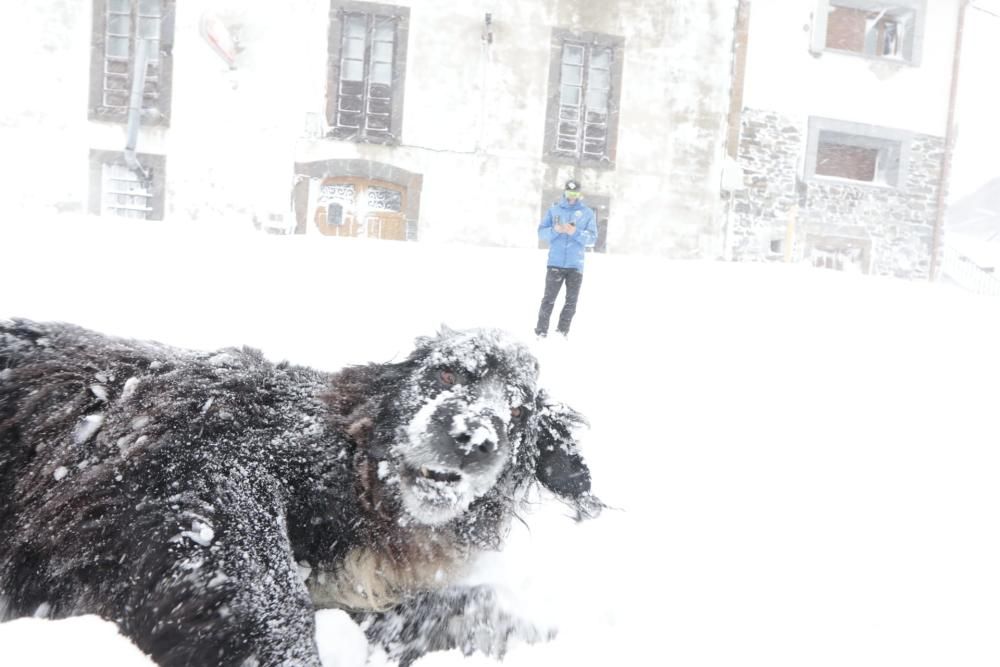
[(367, 79), (118, 27), (124, 194), (127, 21), (584, 101), (384, 199), (337, 192)]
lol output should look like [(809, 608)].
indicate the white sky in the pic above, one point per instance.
[(805, 462), (977, 151)]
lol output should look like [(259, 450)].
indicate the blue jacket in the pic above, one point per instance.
[(566, 251)]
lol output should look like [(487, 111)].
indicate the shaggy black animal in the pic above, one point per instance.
[(208, 503)]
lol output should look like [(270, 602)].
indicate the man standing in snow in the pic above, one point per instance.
[(569, 226)]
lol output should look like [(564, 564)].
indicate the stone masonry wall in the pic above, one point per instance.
[(776, 213)]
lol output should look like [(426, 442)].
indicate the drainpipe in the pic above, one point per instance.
[(741, 37), (135, 107), (949, 148)]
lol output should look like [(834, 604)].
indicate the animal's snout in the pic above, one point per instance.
[(471, 440), (477, 440), (479, 435), (484, 447)]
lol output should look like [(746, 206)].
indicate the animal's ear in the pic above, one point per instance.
[(562, 470), (560, 467), (356, 394)]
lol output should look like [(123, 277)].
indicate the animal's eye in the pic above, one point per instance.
[(515, 412), (448, 377)]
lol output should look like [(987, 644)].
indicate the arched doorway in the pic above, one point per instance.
[(357, 198), (359, 207)]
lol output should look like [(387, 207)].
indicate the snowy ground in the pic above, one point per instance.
[(804, 463)]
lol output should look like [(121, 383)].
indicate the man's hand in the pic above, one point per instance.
[(568, 228)]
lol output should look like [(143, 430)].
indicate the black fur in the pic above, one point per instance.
[(184, 495)]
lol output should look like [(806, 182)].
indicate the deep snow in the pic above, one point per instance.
[(803, 463)]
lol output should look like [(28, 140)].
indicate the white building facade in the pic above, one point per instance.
[(422, 120), (844, 133)]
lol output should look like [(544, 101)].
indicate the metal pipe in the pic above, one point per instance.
[(135, 107), (737, 79)]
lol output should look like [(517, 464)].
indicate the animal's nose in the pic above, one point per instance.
[(479, 439), (483, 447)]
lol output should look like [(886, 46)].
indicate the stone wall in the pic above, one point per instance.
[(778, 216)]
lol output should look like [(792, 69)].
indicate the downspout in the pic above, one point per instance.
[(949, 148), (486, 70), (741, 37), (135, 107)]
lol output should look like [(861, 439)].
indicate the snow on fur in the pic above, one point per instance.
[(209, 502)]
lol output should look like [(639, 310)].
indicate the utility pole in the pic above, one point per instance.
[(949, 147)]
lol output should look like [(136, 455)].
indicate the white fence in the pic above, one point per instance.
[(967, 274)]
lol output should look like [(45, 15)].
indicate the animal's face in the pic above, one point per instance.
[(460, 421), (463, 419)]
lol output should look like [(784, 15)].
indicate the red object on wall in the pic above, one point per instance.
[(218, 36)]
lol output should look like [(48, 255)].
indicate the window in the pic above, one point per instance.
[(837, 156), (367, 56), (118, 26), (840, 253), (124, 193), (880, 30), (864, 154), (584, 92), (116, 190), (585, 84)]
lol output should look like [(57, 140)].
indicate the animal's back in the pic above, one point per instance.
[(59, 384), (65, 391), (95, 433)]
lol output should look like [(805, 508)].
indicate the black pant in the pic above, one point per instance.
[(554, 278)]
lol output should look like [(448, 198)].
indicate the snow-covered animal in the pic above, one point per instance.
[(209, 502)]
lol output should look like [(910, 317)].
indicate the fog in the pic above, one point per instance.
[(800, 462)]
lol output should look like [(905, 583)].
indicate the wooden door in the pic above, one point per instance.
[(358, 207)]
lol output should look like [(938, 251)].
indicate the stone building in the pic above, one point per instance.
[(824, 124), (428, 120), (841, 133)]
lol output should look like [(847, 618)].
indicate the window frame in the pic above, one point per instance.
[(339, 11), (561, 37), (155, 164), (915, 40), (865, 136), (97, 109)]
